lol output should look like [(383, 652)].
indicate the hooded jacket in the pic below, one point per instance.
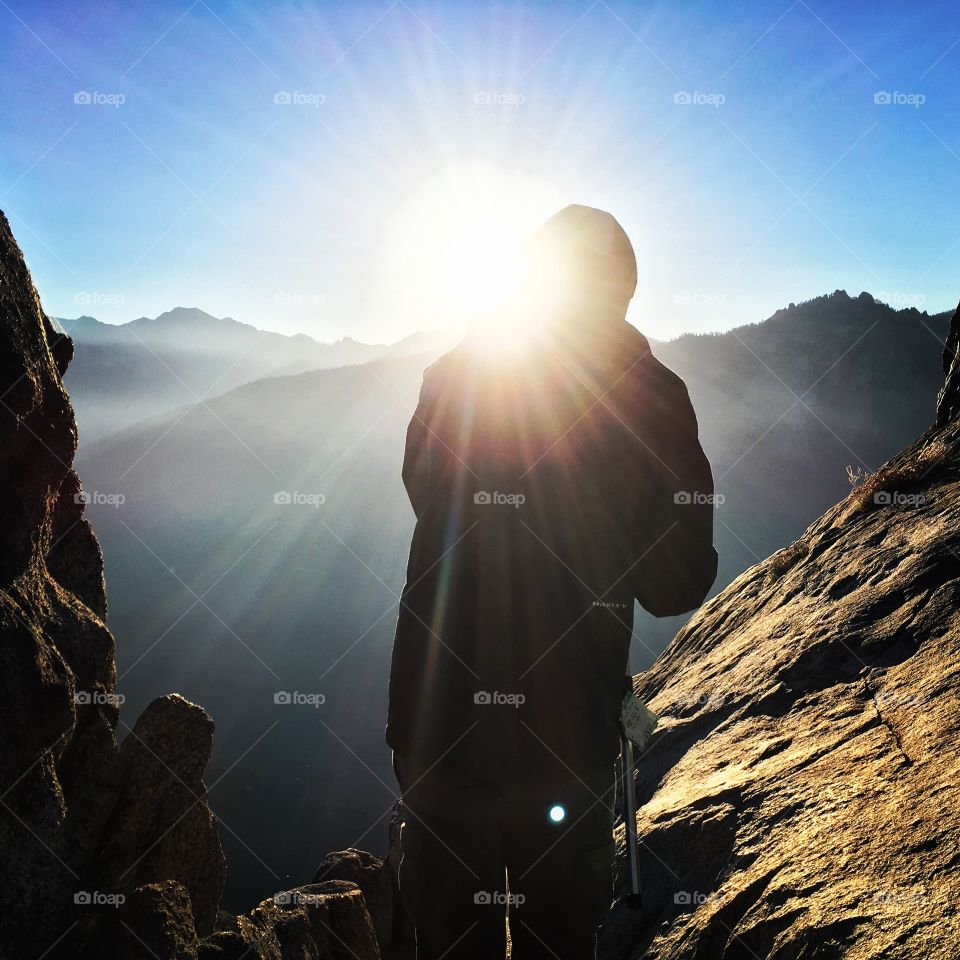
[(551, 492)]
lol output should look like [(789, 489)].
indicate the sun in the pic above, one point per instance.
[(458, 249), (483, 261)]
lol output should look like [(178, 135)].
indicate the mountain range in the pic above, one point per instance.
[(255, 542), (131, 371)]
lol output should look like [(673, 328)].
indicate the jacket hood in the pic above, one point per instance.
[(589, 250)]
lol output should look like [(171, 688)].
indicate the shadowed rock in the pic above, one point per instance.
[(154, 921), (80, 822), (106, 852), (162, 826), (57, 712), (321, 921), (373, 878), (948, 403)]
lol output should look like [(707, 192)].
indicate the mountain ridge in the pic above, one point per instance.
[(200, 493)]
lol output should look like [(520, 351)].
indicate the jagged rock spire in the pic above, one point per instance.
[(948, 403)]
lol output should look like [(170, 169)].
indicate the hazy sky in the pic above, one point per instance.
[(311, 166)]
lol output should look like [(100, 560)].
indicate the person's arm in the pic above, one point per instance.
[(678, 562)]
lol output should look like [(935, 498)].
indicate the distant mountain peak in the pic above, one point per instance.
[(187, 315)]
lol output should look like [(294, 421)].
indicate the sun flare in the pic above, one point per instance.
[(459, 249)]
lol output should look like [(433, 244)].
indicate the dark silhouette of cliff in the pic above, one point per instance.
[(107, 851)]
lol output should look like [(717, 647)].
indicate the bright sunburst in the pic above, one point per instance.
[(458, 249)]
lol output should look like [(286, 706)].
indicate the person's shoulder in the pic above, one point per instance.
[(648, 369)]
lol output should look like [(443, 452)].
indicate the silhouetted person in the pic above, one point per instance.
[(553, 486)]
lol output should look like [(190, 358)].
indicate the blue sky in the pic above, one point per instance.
[(741, 145)]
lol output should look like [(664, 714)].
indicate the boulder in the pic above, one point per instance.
[(153, 921), (322, 921), (161, 825), (373, 878)]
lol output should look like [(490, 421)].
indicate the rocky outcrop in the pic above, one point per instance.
[(948, 403), (161, 825), (320, 921), (801, 796), (374, 879), (58, 771), (107, 852)]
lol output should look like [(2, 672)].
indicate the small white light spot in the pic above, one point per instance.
[(557, 813)]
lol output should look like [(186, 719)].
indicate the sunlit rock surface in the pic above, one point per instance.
[(800, 798)]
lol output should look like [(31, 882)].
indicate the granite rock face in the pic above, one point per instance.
[(801, 796), (58, 769)]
